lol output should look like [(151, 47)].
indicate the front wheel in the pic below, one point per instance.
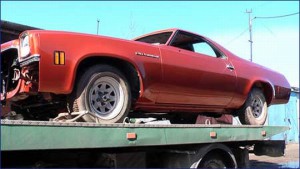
[(255, 109), (103, 91)]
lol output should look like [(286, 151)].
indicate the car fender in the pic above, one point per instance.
[(140, 71), (263, 83), (60, 79)]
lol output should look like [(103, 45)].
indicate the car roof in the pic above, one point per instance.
[(164, 30)]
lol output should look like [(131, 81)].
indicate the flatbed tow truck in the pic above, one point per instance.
[(77, 144)]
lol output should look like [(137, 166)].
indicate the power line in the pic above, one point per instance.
[(268, 29), (272, 17), (261, 24), (242, 33), (261, 17)]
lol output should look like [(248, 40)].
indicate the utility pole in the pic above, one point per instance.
[(250, 31), (98, 25)]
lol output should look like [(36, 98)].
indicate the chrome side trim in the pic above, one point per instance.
[(30, 59), (146, 54)]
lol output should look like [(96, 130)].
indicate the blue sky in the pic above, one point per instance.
[(276, 41)]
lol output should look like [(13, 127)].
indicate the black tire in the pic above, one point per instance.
[(255, 109), (104, 91), (212, 161)]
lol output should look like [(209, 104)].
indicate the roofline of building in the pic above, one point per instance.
[(15, 26)]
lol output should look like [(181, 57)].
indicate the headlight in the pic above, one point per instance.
[(24, 46)]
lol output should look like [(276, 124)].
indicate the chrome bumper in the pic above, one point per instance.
[(30, 59)]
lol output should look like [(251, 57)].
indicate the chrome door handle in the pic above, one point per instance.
[(230, 67)]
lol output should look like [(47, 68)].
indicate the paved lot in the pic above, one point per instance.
[(290, 160)]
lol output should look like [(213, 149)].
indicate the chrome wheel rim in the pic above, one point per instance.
[(257, 107), (106, 97)]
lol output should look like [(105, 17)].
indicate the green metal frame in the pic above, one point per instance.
[(30, 135)]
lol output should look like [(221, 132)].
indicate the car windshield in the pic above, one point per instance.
[(160, 38)]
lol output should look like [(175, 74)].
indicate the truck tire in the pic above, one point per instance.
[(212, 161), (104, 91), (255, 109)]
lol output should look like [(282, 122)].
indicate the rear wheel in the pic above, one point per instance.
[(104, 91), (212, 161), (255, 109)]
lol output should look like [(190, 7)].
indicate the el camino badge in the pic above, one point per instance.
[(147, 55)]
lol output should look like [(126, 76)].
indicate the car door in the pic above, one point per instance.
[(194, 78)]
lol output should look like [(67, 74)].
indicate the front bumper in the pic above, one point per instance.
[(31, 59)]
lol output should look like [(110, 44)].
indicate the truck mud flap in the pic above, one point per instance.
[(273, 148)]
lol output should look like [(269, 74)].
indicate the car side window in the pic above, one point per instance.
[(194, 43), (204, 48), (160, 38)]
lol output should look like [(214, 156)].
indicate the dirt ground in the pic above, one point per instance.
[(290, 160)]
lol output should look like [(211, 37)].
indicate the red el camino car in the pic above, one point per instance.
[(170, 71)]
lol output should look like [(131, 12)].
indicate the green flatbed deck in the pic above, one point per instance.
[(41, 135)]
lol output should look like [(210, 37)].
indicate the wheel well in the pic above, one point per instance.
[(225, 156), (125, 67), (266, 88)]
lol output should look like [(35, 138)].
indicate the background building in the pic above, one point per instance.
[(10, 30), (286, 115)]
